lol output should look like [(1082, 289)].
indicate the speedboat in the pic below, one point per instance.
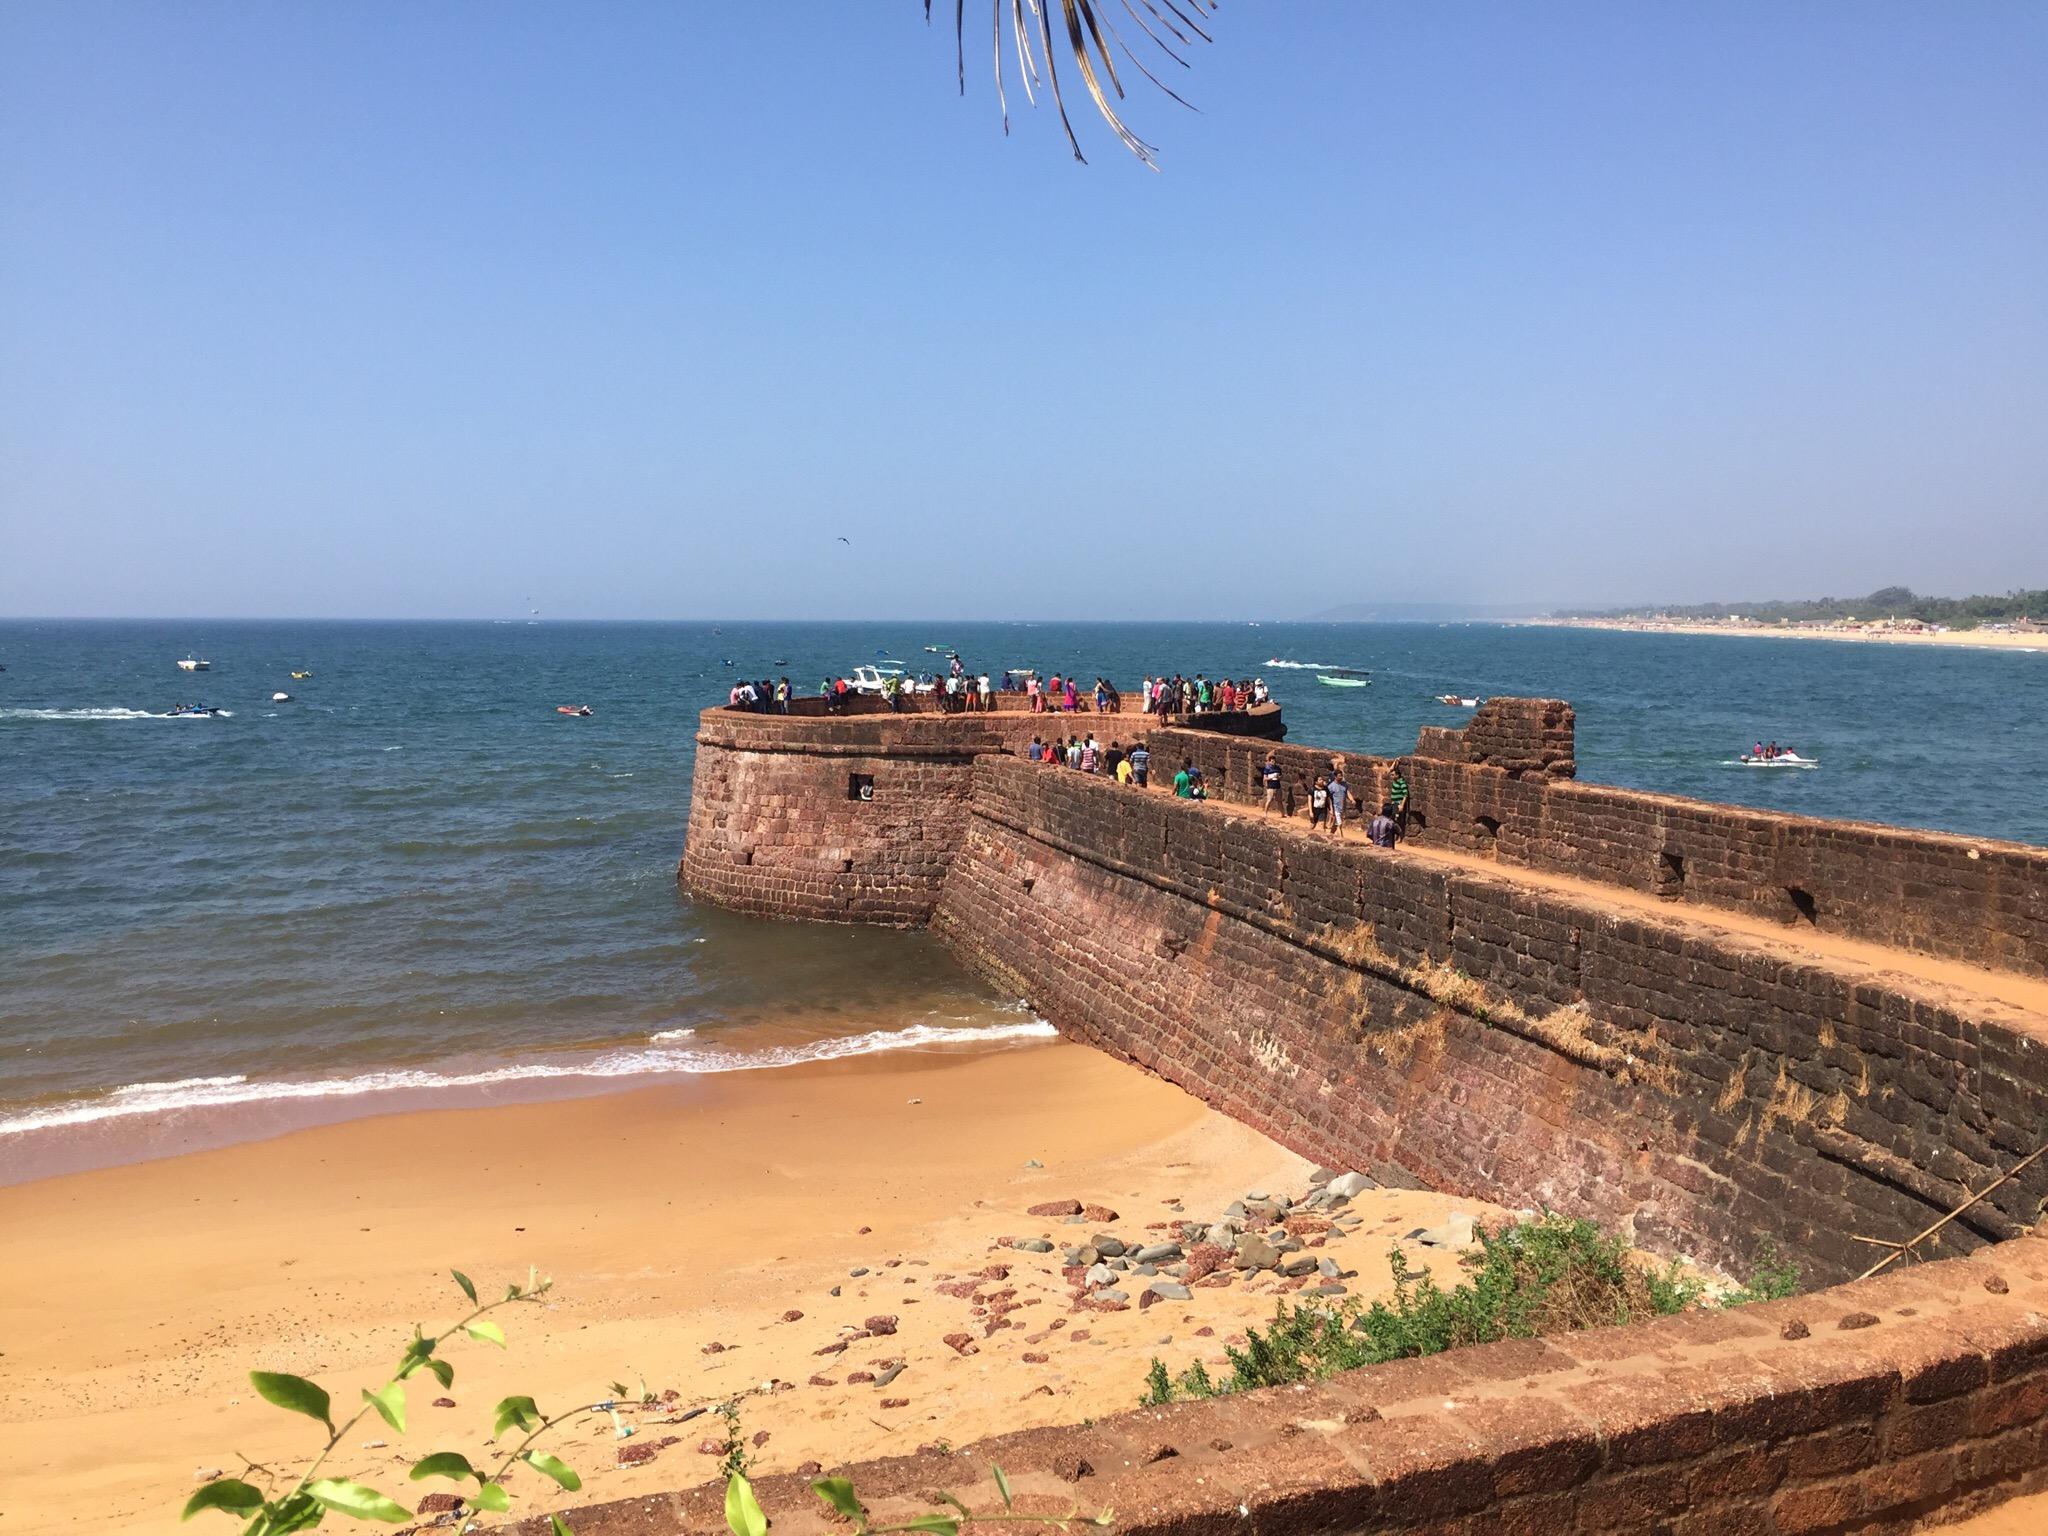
[(1455, 702), (578, 710), (301, 676), (280, 698), (1343, 682), (194, 709), (1781, 760), (194, 664)]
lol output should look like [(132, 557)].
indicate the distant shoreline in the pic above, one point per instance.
[(1966, 639)]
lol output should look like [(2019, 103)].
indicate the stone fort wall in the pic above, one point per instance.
[(1521, 1043)]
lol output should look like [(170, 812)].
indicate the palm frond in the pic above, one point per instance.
[(1090, 31)]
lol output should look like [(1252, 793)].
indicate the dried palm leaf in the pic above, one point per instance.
[(1089, 32)]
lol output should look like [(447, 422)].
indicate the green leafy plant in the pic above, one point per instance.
[(743, 1515), (1550, 1275), (1773, 1279), (284, 1502)]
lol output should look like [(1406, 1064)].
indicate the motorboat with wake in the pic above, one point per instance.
[(1783, 759), (209, 710), (580, 711), (1455, 702)]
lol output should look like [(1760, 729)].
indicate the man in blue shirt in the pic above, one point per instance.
[(1141, 761)]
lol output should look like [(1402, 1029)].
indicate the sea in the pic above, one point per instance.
[(415, 881)]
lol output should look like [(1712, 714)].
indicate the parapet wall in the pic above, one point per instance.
[(1503, 788)]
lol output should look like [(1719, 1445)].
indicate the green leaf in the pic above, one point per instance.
[(389, 1401), (349, 1498), (492, 1496), (517, 1411), (512, 1292), (557, 1527), (954, 1500), (295, 1393), (300, 1512), (443, 1464), (224, 1493), (485, 1331), (554, 1467), (743, 1515), (442, 1371), (838, 1492), (933, 1525), (468, 1288), (1002, 1483)]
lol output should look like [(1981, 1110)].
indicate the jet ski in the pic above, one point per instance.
[(1778, 760), (578, 710)]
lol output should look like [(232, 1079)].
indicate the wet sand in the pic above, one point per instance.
[(133, 1300)]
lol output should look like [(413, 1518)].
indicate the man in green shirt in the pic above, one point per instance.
[(1397, 797), (1184, 780)]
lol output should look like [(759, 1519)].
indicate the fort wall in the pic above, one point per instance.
[(1504, 787)]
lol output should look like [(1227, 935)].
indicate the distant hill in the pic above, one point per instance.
[(1885, 603), (1419, 613)]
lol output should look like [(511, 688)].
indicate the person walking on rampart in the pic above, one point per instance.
[(1397, 797), (1269, 777), (1339, 793), (1141, 764), (1184, 781), (1318, 802)]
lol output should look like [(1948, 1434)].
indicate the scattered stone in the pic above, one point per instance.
[(1456, 1232), (860, 1378), (438, 1504), (1100, 1214), (1254, 1252), (1098, 1275), (881, 1325), (1162, 1453), (1794, 1330), (1106, 1245), (1349, 1184), (760, 1438), (1858, 1320), (962, 1344), (792, 1316), (1079, 1335), (1032, 1162), (1031, 1357), (1996, 1285), (1170, 1290), (855, 1274), (864, 1231), (1205, 1332), (884, 1377), (705, 1447), (1157, 1253), (1071, 1468), (836, 1290), (643, 1451), (836, 1348), (1054, 1208), (1320, 1176), (1075, 1221), (823, 1381), (1299, 1265), (895, 1402), (809, 1468), (1220, 1445), (444, 1402), (1032, 1245)]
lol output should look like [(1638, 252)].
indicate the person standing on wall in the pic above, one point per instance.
[(1318, 802), (1141, 764), (1339, 792), (1183, 782), (1269, 776), (1397, 800)]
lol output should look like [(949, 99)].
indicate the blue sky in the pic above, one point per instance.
[(392, 309)]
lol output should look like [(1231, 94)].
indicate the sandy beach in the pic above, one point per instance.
[(1954, 639), (723, 1212)]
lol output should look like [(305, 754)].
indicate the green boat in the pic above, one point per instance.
[(1343, 682)]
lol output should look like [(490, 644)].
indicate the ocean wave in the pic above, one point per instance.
[(664, 1036), (226, 1092)]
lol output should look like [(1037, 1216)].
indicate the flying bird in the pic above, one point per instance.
[(844, 539)]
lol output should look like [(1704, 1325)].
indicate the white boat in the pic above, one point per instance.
[(194, 664), (1343, 682), (1457, 703), (1782, 760), (280, 698)]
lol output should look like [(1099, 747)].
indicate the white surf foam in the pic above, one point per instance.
[(665, 1036), (222, 1092), (114, 712)]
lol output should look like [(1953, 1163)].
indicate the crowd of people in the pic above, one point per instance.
[(959, 689), (1197, 695)]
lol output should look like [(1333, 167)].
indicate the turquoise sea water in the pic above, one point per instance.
[(416, 873)]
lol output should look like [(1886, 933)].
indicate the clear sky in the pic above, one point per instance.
[(428, 308)]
